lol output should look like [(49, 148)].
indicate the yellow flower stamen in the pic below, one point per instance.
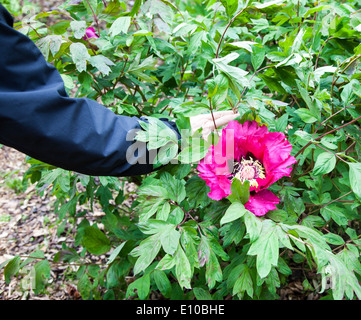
[(250, 170)]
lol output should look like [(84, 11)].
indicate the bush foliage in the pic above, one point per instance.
[(292, 65)]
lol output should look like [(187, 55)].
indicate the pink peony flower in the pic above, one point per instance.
[(90, 33), (247, 152)]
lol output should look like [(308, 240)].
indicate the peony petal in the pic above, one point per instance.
[(242, 140), (215, 175), (261, 202), (90, 33)]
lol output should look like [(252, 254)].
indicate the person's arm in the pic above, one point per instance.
[(38, 118)]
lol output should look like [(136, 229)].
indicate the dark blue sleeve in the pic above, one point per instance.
[(38, 118)]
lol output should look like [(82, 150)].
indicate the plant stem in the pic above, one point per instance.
[(225, 30), (324, 121), (95, 17), (346, 194), (336, 155), (214, 121), (318, 56), (321, 136)]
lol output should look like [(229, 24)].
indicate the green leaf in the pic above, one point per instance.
[(239, 191), (142, 285), (167, 262), (120, 25), (235, 73), (84, 287), (231, 6), (306, 115), (213, 271), (50, 43), (193, 149), (355, 178), (135, 8), (333, 239), (166, 153), (157, 133), (78, 28), (42, 274), (182, 269), (79, 54), (202, 294), (162, 282), (266, 248), (101, 63), (154, 190), (253, 225), (314, 111), (115, 252), (334, 212), (257, 57), (244, 282), (164, 211), (146, 251), (221, 92), (325, 163), (169, 239), (11, 268), (197, 190), (235, 211), (175, 216), (175, 187), (208, 257), (95, 241)]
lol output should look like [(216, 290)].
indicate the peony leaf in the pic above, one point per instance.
[(235, 211), (95, 241), (239, 191), (355, 178), (120, 25), (78, 28)]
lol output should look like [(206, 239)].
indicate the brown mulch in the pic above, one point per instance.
[(27, 225)]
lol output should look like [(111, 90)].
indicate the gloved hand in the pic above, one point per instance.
[(205, 121)]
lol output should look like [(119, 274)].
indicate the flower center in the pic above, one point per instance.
[(249, 170)]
